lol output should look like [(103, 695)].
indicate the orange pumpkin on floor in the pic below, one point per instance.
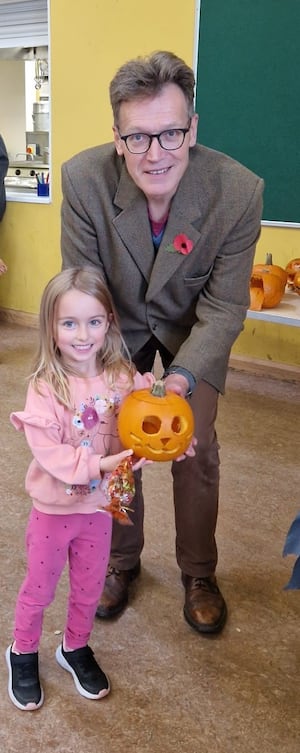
[(267, 285), (156, 424)]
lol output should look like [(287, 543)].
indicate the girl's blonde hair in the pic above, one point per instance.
[(114, 357)]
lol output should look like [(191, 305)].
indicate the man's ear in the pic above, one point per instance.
[(193, 129), (118, 142)]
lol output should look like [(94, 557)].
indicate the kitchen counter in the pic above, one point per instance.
[(21, 181)]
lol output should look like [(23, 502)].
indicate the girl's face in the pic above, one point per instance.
[(81, 323)]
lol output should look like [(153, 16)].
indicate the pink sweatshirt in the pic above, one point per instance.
[(64, 475)]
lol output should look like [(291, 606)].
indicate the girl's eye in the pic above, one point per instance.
[(96, 322), (68, 324)]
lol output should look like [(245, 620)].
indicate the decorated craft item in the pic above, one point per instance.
[(267, 285), (120, 491), (292, 269), (156, 424)]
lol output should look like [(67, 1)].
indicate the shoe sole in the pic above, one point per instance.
[(106, 614), (29, 706), (207, 629), (85, 693)]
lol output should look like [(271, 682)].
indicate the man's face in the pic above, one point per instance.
[(157, 172)]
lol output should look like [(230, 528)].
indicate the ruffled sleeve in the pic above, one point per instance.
[(43, 422)]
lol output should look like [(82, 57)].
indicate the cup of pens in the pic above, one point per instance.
[(42, 184)]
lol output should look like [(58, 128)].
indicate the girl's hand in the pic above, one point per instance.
[(109, 463), (190, 452)]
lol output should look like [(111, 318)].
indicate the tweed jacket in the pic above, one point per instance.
[(194, 304)]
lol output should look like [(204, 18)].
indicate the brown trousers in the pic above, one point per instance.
[(195, 491)]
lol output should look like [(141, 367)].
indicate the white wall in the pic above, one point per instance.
[(12, 106)]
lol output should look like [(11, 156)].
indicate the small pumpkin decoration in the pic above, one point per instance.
[(267, 285), (291, 269), (156, 424)]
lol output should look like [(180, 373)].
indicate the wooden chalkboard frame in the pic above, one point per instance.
[(272, 152)]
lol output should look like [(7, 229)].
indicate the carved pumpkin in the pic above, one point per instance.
[(291, 269), (267, 285), (296, 282), (156, 424), (275, 269)]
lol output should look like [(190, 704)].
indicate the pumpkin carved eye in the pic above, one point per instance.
[(178, 425), (151, 424)]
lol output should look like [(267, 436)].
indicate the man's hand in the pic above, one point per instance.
[(176, 383), (190, 451)]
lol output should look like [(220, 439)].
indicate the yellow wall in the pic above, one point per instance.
[(88, 43)]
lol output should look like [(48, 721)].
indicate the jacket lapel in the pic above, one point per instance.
[(167, 262), (132, 224)]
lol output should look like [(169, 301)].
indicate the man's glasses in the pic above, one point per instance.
[(139, 143)]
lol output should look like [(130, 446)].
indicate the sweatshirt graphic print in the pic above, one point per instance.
[(63, 476)]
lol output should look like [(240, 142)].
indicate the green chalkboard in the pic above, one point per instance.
[(248, 93)]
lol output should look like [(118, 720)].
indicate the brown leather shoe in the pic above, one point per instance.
[(204, 609), (115, 593)]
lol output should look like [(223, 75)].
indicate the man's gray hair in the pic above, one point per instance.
[(146, 76)]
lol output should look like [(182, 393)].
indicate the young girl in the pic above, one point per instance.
[(82, 373)]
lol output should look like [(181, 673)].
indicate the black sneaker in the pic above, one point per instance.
[(23, 683), (89, 679)]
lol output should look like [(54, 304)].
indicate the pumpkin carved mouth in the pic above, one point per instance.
[(137, 442)]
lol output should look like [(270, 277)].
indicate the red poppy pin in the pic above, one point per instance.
[(182, 244)]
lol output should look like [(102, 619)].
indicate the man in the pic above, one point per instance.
[(173, 226)]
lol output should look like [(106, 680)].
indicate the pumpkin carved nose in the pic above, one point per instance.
[(165, 441)]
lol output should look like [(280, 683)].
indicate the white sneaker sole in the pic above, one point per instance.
[(64, 664), (29, 706)]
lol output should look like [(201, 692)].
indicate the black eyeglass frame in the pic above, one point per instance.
[(157, 136)]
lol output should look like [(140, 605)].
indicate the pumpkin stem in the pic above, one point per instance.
[(269, 259), (158, 388)]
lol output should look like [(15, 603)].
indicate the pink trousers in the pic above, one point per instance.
[(52, 540)]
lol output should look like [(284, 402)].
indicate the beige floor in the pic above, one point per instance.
[(172, 690)]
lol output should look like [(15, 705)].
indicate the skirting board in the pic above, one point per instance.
[(287, 372), (273, 369), (10, 316)]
